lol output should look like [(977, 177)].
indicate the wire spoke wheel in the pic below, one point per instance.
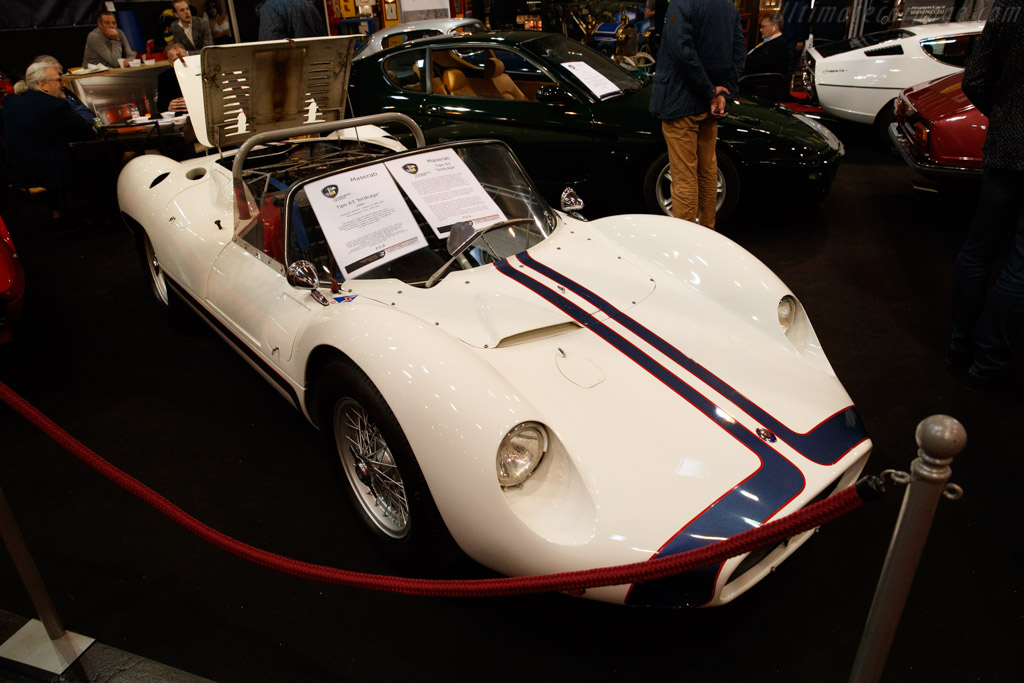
[(156, 275), (371, 469)]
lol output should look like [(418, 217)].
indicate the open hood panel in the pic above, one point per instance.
[(301, 82)]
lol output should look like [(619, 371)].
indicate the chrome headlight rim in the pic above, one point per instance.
[(520, 453), (821, 130), (787, 310)]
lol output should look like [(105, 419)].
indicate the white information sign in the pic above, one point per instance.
[(444, 190), (364, 218), (595, 81)]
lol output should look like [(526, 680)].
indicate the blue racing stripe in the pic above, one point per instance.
[(825, 444), (746, 506)]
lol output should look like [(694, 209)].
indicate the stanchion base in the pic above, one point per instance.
[(32, 647)]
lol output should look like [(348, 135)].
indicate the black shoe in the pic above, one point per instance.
[(958, 361), (1004, 384)]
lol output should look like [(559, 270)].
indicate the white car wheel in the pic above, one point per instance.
[(378, 469), (156, 274), (370, 468)]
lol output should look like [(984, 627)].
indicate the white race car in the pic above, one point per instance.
[(858, 79), (551, 394)]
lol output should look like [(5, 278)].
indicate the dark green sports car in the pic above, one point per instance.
[(574, 117)]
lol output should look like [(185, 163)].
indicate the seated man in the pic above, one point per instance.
[(191, 32), (106, 43), (76, 104), (39, 126), (771, 55), (168, 90)]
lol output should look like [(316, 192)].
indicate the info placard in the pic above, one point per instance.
[(364, 218), (444, 190), (591, 78)]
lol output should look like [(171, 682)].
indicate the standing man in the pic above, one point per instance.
[(796, 29), (290, 19), (192, 32), (988, 324), (106, 43), (699, 63)]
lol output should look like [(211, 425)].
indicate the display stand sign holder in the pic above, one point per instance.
[(42, 643)]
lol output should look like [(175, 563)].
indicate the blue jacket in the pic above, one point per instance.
[(994, 82), (702, 46), (39, 128)]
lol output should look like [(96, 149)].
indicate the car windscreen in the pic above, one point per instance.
[(952, 50), (391, 218), (584, 66), (869, 40)]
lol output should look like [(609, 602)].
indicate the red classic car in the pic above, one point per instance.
[(12, 284), (938, 131)]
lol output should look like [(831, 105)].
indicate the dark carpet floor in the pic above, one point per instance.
[(872, 265)]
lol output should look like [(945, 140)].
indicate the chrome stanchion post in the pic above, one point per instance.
[(939, 438), (26, 567)]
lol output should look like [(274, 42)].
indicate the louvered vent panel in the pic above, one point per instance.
[(885, 51), (259, 87)]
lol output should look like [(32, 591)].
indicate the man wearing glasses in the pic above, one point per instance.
[(771, 55), (38, 126)]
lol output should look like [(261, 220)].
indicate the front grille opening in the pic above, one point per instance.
[(755, 557)]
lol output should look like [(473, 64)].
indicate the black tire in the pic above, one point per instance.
[(378, 471), (163, 296), (658, 183), (883, 118), (729, 187)]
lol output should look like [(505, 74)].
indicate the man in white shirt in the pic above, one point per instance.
[(192, 32)]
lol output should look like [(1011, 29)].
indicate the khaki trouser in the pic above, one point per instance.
[(691, 158)]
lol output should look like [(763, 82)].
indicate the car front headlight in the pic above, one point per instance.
[(821, 130), (787, 312), (520, 452)]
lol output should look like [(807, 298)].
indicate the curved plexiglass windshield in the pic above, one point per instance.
[(391, 218), (588, 68)]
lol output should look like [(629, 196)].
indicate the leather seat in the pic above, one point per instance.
[(455, 83), (494, 70)]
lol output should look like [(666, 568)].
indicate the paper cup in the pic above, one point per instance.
[(167, 115)]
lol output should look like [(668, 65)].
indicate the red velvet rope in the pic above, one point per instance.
[(770, 533)]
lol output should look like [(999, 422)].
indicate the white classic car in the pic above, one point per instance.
[(858, 79), (550, 394), (404, 33)]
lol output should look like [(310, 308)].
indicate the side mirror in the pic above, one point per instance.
[(552, 93), (571, 201), (302, 275)]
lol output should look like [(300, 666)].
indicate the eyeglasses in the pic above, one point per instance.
[(766, 26)]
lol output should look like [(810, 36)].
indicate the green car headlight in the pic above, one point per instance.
[(520, 452)]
